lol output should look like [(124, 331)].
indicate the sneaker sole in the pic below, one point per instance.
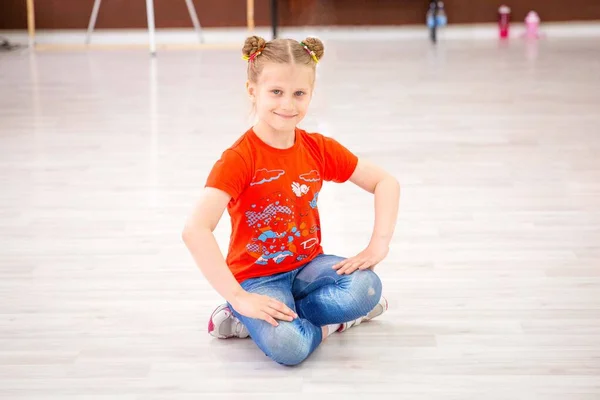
[(211, 324)]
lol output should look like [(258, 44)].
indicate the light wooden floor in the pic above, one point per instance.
[(494, 275)]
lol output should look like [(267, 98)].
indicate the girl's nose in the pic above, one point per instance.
[(287, 104)]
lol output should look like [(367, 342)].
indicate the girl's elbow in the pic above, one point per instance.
[(394, 183), (190, 232), (187, 233)]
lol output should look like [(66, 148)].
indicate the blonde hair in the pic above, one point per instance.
[(258, 52)]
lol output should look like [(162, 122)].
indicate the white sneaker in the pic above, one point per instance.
[(379, 309), (224, 325)]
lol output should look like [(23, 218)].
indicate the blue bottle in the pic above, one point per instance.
[(430, 13), (442, 19)]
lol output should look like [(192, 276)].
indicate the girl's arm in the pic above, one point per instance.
[(387, 196), (200, 241)]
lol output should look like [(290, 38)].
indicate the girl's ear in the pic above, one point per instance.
[(251, 89)]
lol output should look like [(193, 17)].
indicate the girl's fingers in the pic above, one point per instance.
[(282, 308), (365, 265), (345, 262), (350, 265), (345, 268), (348, 269), (341, 270), (341, 264), (279, 315), (269, 319)]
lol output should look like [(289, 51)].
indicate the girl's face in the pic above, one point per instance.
[(282, 95)]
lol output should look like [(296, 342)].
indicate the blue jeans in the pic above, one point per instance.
[(319, 296)]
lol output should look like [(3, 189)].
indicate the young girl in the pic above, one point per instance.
[(281, 289)]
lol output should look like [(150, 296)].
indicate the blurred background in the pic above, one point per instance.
[(122, 14), (487, 113), (57, 19)]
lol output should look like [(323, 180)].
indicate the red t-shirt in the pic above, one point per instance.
[(273, 208)]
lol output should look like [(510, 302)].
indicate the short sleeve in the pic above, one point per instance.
[(340, 162), (230, 174)]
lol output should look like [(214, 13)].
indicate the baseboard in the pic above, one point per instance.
[(226, 37)]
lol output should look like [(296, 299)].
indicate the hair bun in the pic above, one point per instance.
[(314, 44), (252, 45)]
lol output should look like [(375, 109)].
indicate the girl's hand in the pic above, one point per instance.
[(368, 258), (258, 306)]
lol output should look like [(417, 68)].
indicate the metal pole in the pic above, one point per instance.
[(250, 15), (274, 20), (31, 22), (92, 23), (151, 27), (194, 17)]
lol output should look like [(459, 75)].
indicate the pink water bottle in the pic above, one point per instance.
[(532, 25), (503, 20)]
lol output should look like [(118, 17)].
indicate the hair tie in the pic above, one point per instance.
[(310, 52), (253, 55)]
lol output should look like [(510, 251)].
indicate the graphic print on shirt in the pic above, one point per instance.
[(264, 175), (312, 176), (272, 218), (299, 190), (313, 202), (278, 236)]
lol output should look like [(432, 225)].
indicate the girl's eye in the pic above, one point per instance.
[(300, 93), (276, 91)]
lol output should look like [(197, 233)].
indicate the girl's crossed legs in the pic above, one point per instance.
[(319, 296)]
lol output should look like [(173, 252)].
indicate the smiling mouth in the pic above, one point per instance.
[(286, 116)]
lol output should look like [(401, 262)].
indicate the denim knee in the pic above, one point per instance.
[(290, 343), (365, 287)]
